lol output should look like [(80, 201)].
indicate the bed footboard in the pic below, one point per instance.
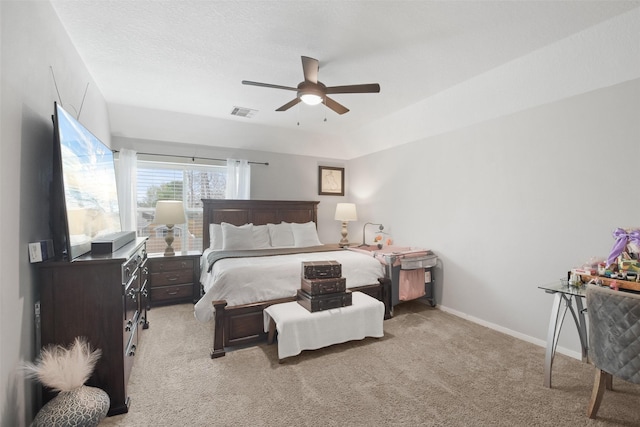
[(239, 325), (218, 328), (244, 324)]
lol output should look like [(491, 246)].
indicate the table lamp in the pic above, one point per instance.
[(345, 212), (169, 212)]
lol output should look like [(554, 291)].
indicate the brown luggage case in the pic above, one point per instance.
[(321, 269), (315, 303), (323, 286)]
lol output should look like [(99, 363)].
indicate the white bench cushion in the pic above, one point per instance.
[(298, 329)]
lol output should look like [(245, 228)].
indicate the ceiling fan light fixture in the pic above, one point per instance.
[(311, 91), (311, 98)]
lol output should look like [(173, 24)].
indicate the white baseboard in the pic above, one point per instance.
[(527, 338)]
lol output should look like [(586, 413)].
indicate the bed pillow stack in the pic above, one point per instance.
[(261, 239), (215, 236), (294, 235), (281, 235), (305, 235), (227, 236), (237, 238)]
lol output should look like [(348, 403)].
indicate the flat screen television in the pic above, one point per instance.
[(84, 197)]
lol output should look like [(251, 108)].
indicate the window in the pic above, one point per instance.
[(174, 181)]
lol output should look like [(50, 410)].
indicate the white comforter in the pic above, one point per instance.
[(255, 279)]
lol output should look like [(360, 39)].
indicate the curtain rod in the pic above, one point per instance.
[(193, 158)]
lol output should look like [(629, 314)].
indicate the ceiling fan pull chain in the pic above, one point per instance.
[(325, 111)]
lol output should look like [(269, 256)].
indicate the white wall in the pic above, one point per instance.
[(512, 203), (599, 56), (33, 40)]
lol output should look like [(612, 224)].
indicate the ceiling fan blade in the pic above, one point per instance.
[(289, 104), (338, 108), (247, 82), (310, 68), (364, 88)]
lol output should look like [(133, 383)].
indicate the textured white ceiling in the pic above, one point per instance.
[(171, 70)]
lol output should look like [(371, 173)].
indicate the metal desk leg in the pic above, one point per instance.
[(582, 330), (555, 325)]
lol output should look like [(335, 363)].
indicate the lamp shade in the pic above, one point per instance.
[(169, 212), (346, 212)]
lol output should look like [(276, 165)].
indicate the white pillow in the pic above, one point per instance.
[(237, 238), (215, 236), (305, 235), (281, 235), (261, 237)]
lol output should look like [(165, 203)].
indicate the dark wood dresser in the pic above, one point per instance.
[(174, 279), (102, 298)]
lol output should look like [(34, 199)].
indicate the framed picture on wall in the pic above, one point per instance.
[(330, 181)]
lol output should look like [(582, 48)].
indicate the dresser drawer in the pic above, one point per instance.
[(172, 293), (176, 277)]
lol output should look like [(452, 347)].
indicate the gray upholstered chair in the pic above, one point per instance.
[(614, 339)]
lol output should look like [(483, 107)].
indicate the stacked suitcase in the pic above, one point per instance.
[(322, 286)]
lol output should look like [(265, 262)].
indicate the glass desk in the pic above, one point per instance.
[(565, 297)]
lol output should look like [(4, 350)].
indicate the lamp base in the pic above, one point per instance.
[(168, 251), (344, 242)]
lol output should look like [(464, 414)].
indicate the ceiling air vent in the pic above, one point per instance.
[(243, 112)]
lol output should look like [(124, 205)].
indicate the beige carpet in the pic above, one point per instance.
[(430, 369)]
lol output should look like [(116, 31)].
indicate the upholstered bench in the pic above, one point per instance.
[(299, 329)]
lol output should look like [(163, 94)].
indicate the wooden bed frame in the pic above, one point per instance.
[(243, 324)]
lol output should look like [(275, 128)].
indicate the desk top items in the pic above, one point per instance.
[(66, 370), (627, 243), (621, 269)]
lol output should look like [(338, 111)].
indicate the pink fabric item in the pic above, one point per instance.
[(411, 284)]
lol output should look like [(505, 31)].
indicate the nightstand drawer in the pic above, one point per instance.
[(172, 293), (176, 277), (158, 265), (173, 279)]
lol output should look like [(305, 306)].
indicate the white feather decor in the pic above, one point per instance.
[(64, 369)]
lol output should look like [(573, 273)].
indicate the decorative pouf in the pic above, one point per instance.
[(83, 406), (66, 370)]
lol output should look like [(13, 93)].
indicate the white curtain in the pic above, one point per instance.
[(126, 181), (238, 179)]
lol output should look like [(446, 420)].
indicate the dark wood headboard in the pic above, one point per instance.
[(258, 212)]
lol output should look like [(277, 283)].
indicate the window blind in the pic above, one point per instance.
[(175, 181)]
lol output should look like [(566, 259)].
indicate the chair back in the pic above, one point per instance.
[(614, 332)]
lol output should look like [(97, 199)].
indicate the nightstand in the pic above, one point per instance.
[(174, 279)]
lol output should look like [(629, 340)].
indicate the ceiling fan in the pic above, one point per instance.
[(313, 92)]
